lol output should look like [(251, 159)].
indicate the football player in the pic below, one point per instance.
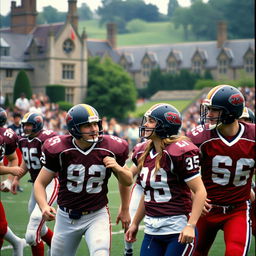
[(8, 146), (168, 168), (227, 149), (249, 117), (10, 141), (84, 161), (30, 145)]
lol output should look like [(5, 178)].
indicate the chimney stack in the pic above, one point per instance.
[(221, 33), (111, 34), (72, 16), (23, 18)]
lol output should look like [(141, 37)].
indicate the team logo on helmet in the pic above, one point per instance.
[(172, 118), (236, 99), (68, 118), (38, 119)]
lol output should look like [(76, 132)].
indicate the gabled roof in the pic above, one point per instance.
[(202, 53), (208, 49), (17, 43), (99, 48), (176, 54), (228, 52), (152, 56), (41, 32), (128, 57)]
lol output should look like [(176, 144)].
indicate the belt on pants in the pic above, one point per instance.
[(226, 208), (70, 211)]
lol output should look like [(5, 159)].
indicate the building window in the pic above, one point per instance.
[(172, 67), (4, 51), (249, 64), (68, 71), (145, 84), (69, 95), (68, 46), (146, 69), (223, 66), (197, 67), (8, 73)]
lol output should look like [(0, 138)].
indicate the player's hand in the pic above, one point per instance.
[(6, 185), (110, 162), (130, 235), (16, 171), (124, 217), (187, 235), (14, 186), (207, 207), (48, 213)]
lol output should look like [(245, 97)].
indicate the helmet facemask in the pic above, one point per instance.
[(34, 119), (228, 99), (97, 136), (143, 129), (210, 123)]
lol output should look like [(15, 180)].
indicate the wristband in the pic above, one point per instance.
[(191, 225)]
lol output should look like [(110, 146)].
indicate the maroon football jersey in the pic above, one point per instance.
[(31, 151), (10, 140), (227, 166), (2, 149), (82, 174), (166, 191)]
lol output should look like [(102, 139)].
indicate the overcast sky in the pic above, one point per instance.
[(62, 5)]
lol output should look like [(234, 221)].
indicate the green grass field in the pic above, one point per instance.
[(140, 110), (153, 33), (16, 212)]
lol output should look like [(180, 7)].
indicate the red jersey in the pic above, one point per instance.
[(166, 191), (2, 150), (226, 166), (10, 140), (31, 151), (82, 174)]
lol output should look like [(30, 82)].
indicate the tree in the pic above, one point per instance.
[(111, 90), (240, 17), (172, 6), (5, 20), (181, 17), (84, 12), (22, 85), (127, 11), (203, 20), (55, 92), (156, 82), (52, 15), (166, 81)]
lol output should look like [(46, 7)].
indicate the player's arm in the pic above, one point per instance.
[(130, 235), (124, 175), (13, 165), (123, 214), (43, 179), (15, 170), (125, 194), (12, 159), (199, 196), (16, 180)]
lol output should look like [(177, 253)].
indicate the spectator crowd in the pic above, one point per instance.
[(55, 118)]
